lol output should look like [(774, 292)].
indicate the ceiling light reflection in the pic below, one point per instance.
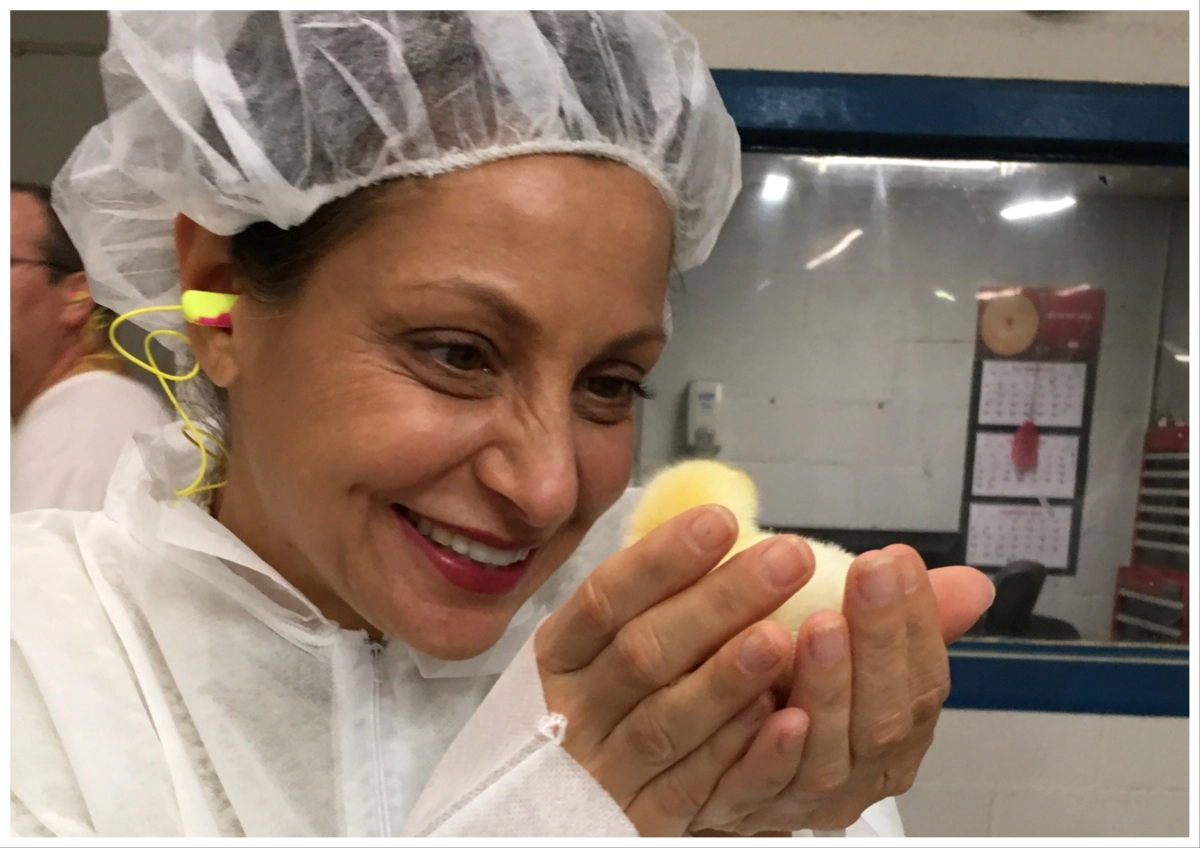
[(848, 240)]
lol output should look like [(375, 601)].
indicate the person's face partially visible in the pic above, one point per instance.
[(37, 332), (463, 367)]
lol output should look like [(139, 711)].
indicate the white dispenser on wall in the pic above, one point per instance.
[(703, 413)]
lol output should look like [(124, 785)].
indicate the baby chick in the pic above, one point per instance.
[(697, 482)]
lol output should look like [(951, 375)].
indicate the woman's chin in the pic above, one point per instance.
[(454, 634)]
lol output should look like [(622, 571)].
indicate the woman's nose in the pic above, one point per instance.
[(534, 466)]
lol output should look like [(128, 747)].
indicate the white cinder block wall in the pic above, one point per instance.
[(1051, 774)]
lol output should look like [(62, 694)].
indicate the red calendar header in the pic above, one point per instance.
[(1040, 324)]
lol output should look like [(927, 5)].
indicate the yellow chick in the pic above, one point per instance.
[(697, 482)]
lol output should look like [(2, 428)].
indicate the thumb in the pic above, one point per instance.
[(963, 595)]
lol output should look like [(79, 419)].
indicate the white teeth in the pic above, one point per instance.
[(481, 553)]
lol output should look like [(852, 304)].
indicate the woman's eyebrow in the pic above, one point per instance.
[(505, 309), (634, 339)]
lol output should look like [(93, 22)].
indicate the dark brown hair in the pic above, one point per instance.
[(272, 263)]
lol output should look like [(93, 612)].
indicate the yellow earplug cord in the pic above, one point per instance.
[(193, 433)]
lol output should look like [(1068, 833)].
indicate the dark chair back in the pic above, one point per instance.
[(1018, 585)]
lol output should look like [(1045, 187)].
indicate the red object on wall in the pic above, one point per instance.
[(1025, 447), (1152, 593)]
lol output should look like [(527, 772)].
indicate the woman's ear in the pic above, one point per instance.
[(204, 266)]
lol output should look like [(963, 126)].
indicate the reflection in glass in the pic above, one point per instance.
[(840, 312)]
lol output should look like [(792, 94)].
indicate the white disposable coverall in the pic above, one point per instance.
[(168, 682)]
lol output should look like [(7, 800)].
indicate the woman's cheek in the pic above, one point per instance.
[(605, 464)]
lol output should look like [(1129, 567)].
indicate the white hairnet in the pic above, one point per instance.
[(236, 117)]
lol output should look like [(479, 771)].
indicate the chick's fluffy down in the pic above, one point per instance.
[(697, 482)]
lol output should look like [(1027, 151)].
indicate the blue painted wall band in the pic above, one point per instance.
[(955, 107)]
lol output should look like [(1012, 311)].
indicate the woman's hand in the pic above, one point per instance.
[(663, 667), (867, 693)]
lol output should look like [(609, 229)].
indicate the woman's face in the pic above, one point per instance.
[(425, 435)]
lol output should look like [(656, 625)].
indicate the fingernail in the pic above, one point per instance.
[(756, 713), (758, 654), (992, 586), (782, 564), (711, 528), (829, 644), (911, 573), (878, 582), (790, 739)]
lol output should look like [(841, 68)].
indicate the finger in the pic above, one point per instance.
[(928, 663), (963, 595), (823, 690), (760, 775), (668, 803), (668, 559), (680, 633), (675, 721), (880, 715)]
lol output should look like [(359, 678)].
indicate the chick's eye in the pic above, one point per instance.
[(462, 357)]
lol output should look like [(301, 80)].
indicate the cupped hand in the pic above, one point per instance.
[(869, 684), (663, 667)]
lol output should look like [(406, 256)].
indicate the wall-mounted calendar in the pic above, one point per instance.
[(1031, 414)]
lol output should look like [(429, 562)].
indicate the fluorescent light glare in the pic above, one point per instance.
[(1180, 353), (944, 295), (930, 164), (834, 251), (775, 188), (991, 295), (1036, 208)]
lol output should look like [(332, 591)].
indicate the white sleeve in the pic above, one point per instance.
[(65, 453), (506, 774)]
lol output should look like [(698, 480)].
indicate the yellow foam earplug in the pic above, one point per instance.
[(698, 482), (209, 309)]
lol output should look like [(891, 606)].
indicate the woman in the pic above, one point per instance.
[(450, 236)]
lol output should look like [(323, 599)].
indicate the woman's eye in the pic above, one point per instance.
[(462, 357), (615, 388)]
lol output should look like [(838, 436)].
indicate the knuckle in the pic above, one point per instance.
[(676, 797), (826, 780), (884, 736), (928, 705), (900, 781), (837, 817), (649, 740), (725, 597), (595, 609), (641, 652)]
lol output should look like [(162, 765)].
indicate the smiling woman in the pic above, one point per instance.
[(398, 607), (479, 375)]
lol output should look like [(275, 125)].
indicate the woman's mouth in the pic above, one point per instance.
[(466, 562)]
